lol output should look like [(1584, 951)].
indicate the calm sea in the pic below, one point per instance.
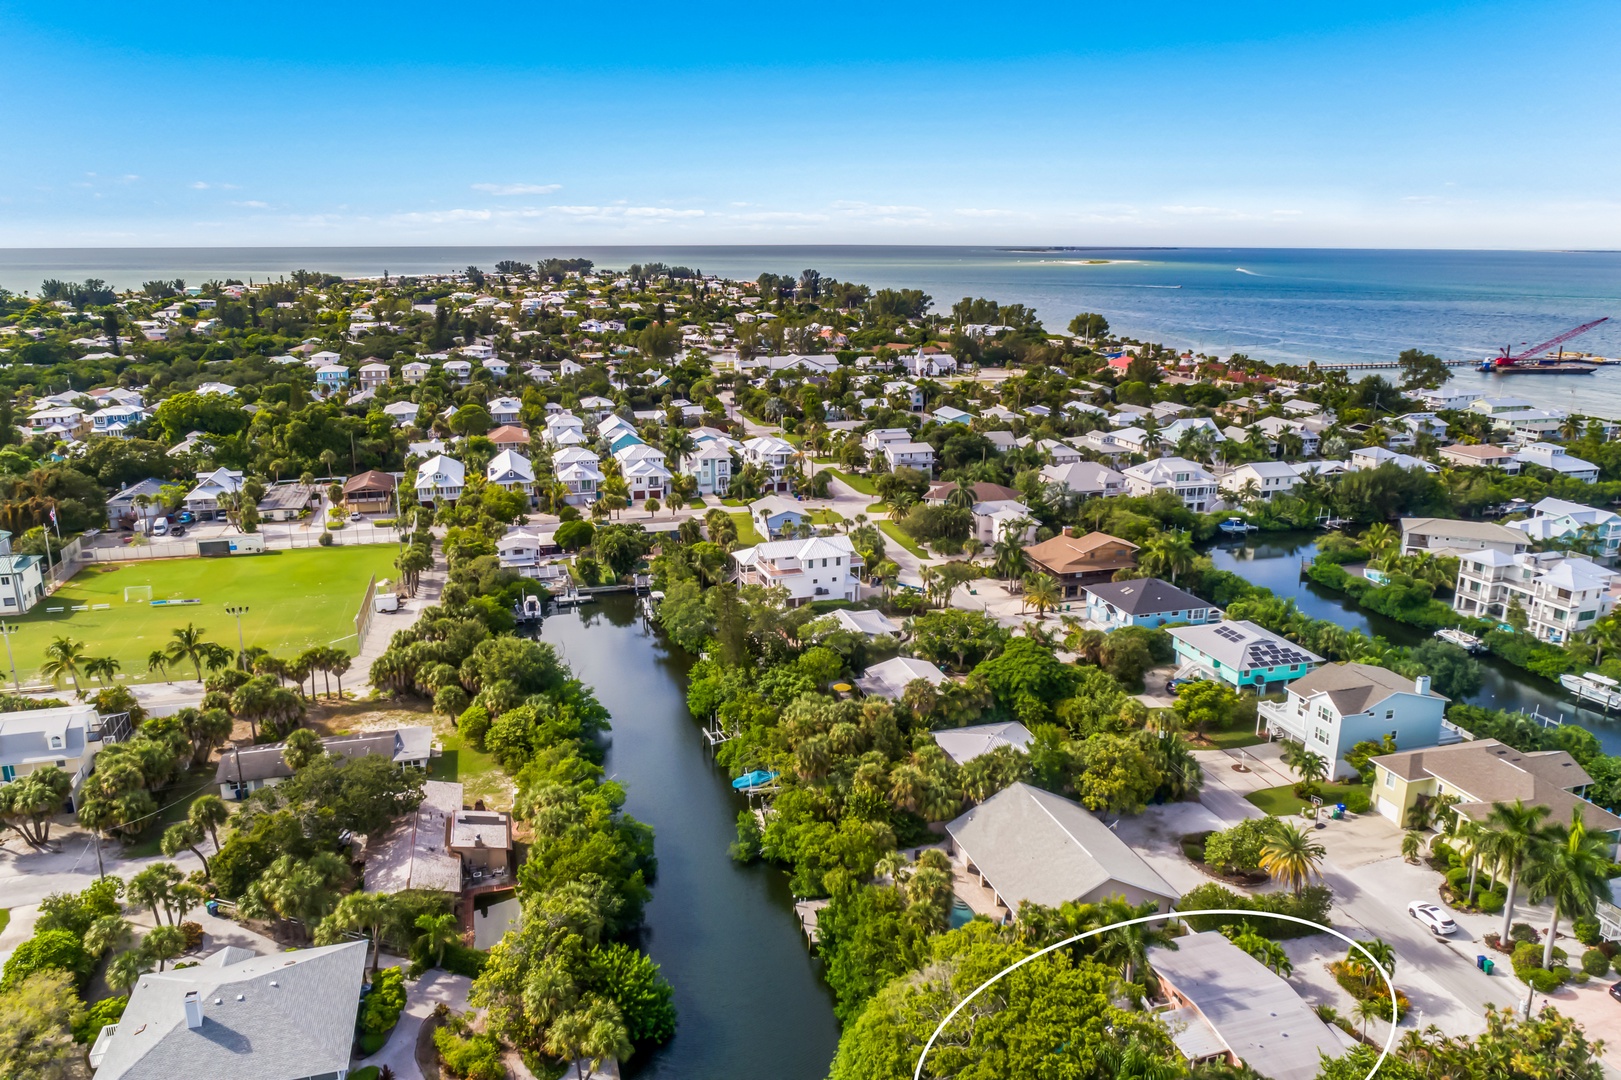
[(1332, 306)]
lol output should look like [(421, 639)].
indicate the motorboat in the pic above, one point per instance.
[(1594, 688), (1237, 527), (1453, 636)]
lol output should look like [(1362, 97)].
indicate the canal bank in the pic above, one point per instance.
[(1273, 561), (749, 997)]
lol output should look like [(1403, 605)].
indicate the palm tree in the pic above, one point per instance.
[(1379, 538), (1167, 553), (64, 656), (1135, 1062), (1312, 767), (1126, 947), (102, 668), (1291, 856), (1511, 833), (1570, 867), (188, 644), (1042, 593), (1370, 1008), (438, 932), (209, 812), (158, 662)]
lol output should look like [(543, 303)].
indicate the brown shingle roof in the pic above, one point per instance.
[(1489, 771), (370, 480), (1072, 554), (509, 433)]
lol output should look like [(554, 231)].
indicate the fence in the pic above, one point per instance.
[(275, 540), (363, 616)]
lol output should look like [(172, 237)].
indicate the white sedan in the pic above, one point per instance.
[(1433, 916)]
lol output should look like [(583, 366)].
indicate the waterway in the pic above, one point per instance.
[(1274, 560), (749, 995)]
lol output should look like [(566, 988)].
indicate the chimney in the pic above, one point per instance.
[(1421, 685), (1069, 530), (194, 1010)]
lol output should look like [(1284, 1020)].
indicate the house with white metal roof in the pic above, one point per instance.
[(820, 568), (440, 479), (890, 678), (964, 744)]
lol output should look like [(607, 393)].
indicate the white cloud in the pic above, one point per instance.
[(252, 204), (972, 212), (517, 189)]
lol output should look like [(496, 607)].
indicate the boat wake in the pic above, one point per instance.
[(1251, 273)]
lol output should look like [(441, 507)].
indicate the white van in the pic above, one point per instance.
[(159, 527)]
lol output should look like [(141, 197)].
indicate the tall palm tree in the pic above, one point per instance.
[(1511, 833), (188, 644), (1042, 593), (102, 668), (64, 656), (1292, 856), (438, 931), (1570, 867), (1379, 538), (158, 662)]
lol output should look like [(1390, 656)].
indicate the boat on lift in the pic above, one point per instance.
[(1454, 636), (1594, 689), (1237, 526), (529, 609)]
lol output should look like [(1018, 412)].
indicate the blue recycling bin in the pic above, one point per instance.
[(1480, 962)]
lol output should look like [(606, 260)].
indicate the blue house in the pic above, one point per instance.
[(1240, 654), (776, 516), (1146, 602), (627, 439)]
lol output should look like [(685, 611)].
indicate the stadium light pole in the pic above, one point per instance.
[(239, 610), (8, 629)]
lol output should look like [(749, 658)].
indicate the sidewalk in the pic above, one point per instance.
[(382, 626)]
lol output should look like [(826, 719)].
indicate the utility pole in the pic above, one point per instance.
[(8, 629), (239, 610)]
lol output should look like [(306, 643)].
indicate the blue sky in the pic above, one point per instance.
[(1417, 124)]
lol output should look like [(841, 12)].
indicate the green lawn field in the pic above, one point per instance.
[(295, 599)]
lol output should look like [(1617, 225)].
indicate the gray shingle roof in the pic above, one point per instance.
[(1146, 596), (277, 1017), (1033, 845)]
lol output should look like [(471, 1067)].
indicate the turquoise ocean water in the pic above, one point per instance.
[(1331, 306)]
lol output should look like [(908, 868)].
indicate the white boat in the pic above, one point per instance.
[(1236, 527), (1457, 637), (1594, 688), (529, 609)]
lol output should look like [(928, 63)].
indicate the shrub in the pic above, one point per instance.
[(1542, 980), (1527, 958), (48, 949), (1523, 932), (1458, 879), (1238, 849), (473, 723), (1595, 962), (383, 1005), (1490, 903), (326, 539), (194, 934), (1442, 851), (1580, 978), (104, 1012), (1312, 904), (473, 1056), (1586, 930), (1358, 801)]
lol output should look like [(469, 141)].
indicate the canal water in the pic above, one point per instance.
[(749, 996), (1273, 560)]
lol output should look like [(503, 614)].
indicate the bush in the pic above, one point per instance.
[(194, 934), (383, 1005), (1358, 801), (1312, 904), (473, 1056), (1458, 879), (1542, 980), (326, 539), (1523, 932), (1586, 930), (104, 1012), (1238, 849), (1490, 903), (1595, 962), (458, 960), (473, 723), (48, 949), (1442, 851)]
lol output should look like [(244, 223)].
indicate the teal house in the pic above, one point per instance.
[(1239, 654)]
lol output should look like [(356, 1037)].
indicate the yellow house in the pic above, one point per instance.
[(1482, 772)]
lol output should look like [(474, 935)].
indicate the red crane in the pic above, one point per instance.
[(1507, 357)]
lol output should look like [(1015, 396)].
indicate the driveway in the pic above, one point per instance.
[(435, 986)]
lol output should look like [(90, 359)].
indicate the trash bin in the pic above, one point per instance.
[(1480, 962), (212, 907), (1489, 965)]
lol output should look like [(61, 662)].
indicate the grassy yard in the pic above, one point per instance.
[(1282, 802), (860, 483), (747, 534), (475, 770), (826, 517), (893, 531), (5, 919), (295, 599), (1228, 740)]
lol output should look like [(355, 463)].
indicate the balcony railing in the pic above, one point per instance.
[(1281, 718)]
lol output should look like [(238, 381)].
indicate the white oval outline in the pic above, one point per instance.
[(1390, 1041)]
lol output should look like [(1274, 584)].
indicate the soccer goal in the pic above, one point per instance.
[(137, 594)]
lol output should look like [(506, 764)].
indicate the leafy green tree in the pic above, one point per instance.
[(30, 803), (46, 950), (37, 1018), (632, 982), (1116, 774), (1238, 849)]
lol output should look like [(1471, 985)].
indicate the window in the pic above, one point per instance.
[(56, 742), (1390, 779), (1390, 714), (1321, 735)]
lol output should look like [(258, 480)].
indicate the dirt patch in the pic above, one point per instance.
[(427, 1054), (351, 717)]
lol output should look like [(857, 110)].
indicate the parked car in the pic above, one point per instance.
[(1615, 990), (1173, 685), (177, 531), (1433, 916), (357, 517)]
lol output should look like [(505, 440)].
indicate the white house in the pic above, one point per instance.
[(820, 568), (440, 479), (644, 472), (204, 500), (1084, 478), (504, 410), (1562, 595), (1187, 479), (564, 429), (1002, 518), (1059, 453), (459, 370), (1371, 457), (890, 678), (1449, 536), (495, 366), (511, 470), (1337, 706), (580, 471), (116, 420), (875, 440), (1597, 532), (1549, 456), (909, 455), (67, 737), (772, 456), (22, 580), (1271, 478), (401, 413)]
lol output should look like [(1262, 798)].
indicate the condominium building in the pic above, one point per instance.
[(1561, 594)]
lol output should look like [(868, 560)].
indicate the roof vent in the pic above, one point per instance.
[(194, 1010), (241, 997), (273, 982)]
